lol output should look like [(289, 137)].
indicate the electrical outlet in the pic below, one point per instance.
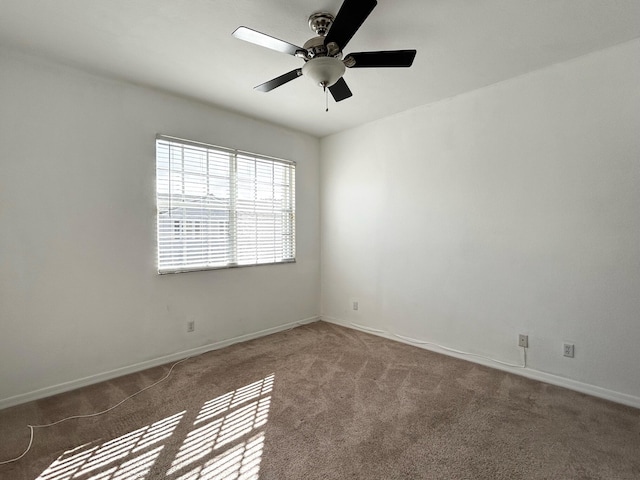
[(355, 305), (523, 341), (191, 326), (568, 349)]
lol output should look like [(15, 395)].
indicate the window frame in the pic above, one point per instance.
[(232, 234)]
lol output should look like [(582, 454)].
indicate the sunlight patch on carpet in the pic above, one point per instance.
[(231, 400), (230, 417), (121, 457), (240, 462), (225, 442)]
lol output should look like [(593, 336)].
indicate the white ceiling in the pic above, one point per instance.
[(186, 47)]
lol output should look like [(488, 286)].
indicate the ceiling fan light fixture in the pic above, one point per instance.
[(324, 71)]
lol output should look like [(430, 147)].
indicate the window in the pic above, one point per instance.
[(220, 208)]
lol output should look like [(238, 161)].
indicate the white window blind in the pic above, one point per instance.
[(220, 208)]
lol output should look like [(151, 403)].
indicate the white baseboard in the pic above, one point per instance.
[(618, 397), (101, 377)]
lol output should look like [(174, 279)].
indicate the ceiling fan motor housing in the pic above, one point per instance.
[(315, 48)]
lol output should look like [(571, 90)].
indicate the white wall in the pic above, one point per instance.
[(79, 293), (511, 209)]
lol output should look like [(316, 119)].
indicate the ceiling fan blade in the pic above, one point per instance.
[(351, 16), (340, 90), (389, 58), (281, 80), (253, 36)]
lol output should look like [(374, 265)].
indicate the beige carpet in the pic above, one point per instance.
[(324, 402)]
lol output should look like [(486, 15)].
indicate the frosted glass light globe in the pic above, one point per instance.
[(324, 71)]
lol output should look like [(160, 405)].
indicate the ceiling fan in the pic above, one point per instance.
[(323, 54)]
